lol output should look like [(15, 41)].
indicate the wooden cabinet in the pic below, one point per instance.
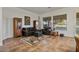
[(17, 26), (77, 44)]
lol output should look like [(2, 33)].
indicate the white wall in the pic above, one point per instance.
[(1, 37), (71, 19), (9, 13)]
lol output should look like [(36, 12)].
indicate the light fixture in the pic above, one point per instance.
[(49, 7)]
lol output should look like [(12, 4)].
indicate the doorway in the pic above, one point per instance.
[(34, 24), (17, 27)]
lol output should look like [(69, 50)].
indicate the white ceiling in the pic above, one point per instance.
[(40, 10)]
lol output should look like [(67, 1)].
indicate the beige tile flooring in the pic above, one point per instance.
[(45, 43)]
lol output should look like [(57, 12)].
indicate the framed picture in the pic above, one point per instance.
[(26, 20)]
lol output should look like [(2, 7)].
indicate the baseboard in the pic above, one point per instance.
[(7, 37)]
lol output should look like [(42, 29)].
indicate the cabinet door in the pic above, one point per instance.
[(17, 26), (77, 44)]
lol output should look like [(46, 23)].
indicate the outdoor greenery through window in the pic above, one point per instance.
[(60, 22), (77, 23), (46, 22)]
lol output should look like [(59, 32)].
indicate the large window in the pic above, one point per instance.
[(77, 23), (46, 22), (60, 22)]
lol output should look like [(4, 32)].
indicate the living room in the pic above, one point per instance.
[(45, 22)]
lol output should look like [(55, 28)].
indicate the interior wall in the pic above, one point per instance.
[(71, 19), (9, 13), (1, 37)]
